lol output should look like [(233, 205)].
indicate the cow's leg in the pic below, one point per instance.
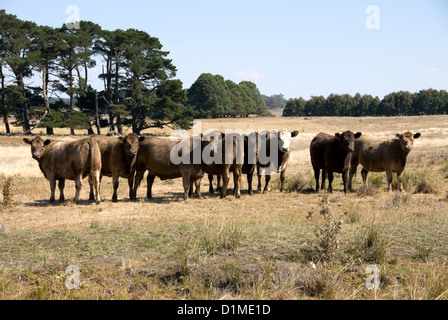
[(61, 190), (345, 180), (210, 188), (91, 194), (116, 183), (138, 179), (238, 180), (282, 180), (400, 181), (250, 177), (198, 188), (390, 179), (266, 187), (78, 183), (186, 182), (316, 177), (219, 185), (364, 174), (130, 183), (52, 182), (353, 169), (149, 181), (95, 183), (260, 187), (225, 185), (324, 178), (330, 181)]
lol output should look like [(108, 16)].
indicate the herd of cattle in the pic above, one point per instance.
[(131, 156)]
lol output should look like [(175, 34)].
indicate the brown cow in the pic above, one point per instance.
[(234, 165), (155, 156), (75, 160), (248, 169), (279, 161), (117, 156), (376, 155), (332, 154)]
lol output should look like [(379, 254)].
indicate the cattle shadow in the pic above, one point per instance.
[(47, 203)]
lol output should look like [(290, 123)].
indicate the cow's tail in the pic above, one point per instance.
[(95, 169)]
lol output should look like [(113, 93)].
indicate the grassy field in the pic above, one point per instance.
[(293, 245)]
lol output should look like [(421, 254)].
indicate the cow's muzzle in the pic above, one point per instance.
[(36, 156)]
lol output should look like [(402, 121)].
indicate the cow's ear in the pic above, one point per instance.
[(294, 134), (26, 140), (47, 142), (123, 139), (141, 139), (417, 135), (398, 136), (358, 135), (338, 135)]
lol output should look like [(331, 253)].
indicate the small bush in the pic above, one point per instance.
[(296, 183), (228, 237), (9, 190), (373, 245), (370, 190), (376, 180), (327, 242), (398, 201), (419, 183)]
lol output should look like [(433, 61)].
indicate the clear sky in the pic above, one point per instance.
[(297, 48)]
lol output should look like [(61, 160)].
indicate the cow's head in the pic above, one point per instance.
[(407, 140), (347, 140), (213, 139), (131, 144), (285, 139), (38, 146)]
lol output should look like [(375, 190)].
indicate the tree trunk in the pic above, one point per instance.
[(119, 125), (72, 100), (3, 102), (25, 116), (97, 114)]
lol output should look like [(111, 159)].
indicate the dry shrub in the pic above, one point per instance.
[(296, 183), (226, 237), (327, 233), (398, 201), (373, 245), (9, 189), (420, 183), (315, 282), (369, 190)]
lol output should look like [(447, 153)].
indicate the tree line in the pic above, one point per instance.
[(138, 86), (403, 103)]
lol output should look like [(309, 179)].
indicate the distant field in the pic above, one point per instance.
[(259, 247)]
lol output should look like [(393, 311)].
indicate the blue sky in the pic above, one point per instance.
[(297, 48)]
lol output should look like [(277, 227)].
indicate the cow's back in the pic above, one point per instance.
[(106, 145), (319, 148), (375, 154), (69, 159), (154, 155)]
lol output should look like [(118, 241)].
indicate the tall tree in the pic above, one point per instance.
[(16, 37)]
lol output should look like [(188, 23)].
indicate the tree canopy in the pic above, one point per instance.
[(211, 96), (403, 103), (139, 89)]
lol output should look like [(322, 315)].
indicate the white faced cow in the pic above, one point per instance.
[(276, 161)]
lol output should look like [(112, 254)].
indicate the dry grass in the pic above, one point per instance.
[(259, 247)]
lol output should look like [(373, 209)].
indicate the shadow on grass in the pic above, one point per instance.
[(47, 203)]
